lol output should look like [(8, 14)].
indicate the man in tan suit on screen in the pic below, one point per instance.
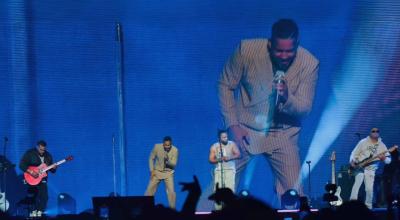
[(162, 162), (266, 88)]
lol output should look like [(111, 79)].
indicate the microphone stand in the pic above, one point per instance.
[(221, 168), (358, 135), (309, 178), (114, 168), (5, 172)]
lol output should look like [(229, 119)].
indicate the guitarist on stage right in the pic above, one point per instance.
[(35, 157), (364, 160)]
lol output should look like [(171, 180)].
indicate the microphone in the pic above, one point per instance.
[(279, 76), (221, 152), (118, 34), (279, 79), (308, 161), (245, 140), (166, 158)]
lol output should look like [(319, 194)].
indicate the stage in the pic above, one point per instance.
[(106, 81)]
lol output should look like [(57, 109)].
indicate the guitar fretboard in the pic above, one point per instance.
[(333, 172), (54, 164)]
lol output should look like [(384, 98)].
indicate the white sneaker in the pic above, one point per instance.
[(33, 213), (39, 214)]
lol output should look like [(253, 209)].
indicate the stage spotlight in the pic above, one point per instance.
[(244, 193), (290, 200), (66, 204)]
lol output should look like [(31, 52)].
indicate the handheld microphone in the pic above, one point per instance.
[(118, 34), (279, 79), (279, 76), (166, 158)]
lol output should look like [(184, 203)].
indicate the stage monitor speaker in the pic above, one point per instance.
[(126, 207), (346, 180)]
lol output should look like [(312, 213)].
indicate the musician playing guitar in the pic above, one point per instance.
[(364, 160), (34, 158)]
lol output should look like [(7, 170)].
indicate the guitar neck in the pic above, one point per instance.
[(333, 172), (372, 159), (54, 164)]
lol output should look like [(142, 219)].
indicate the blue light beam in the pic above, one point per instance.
[(364, 64)]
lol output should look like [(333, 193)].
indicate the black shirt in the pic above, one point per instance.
[(32, 158)]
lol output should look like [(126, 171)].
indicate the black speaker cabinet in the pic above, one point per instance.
[(121, 207)]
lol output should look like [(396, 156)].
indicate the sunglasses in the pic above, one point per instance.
[(375, 131)]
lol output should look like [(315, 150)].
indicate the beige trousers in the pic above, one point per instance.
[(168, 179)]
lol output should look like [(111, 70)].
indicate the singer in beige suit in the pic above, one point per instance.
[(275, 81), (162, 162)]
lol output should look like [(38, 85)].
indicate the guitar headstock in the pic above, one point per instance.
[(393, 148), (69, 158), (333, 156)]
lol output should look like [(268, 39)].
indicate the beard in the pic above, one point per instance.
[(224, 142), (280, 65)]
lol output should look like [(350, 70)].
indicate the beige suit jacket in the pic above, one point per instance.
[(157, 162), (249, 71)]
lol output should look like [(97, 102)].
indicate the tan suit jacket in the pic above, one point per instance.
[(156, 161), (250, 71)]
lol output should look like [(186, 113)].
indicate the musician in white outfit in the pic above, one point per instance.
[(223, 154), (367, 149)]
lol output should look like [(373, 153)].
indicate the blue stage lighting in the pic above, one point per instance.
[(290, 199)]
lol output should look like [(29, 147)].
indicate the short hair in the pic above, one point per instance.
[(167, 138), (42, 143), (221, 131), (285, 29)]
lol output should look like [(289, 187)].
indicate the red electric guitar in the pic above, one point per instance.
[(42, 171)]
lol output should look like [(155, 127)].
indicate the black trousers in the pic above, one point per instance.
[(40, 196)]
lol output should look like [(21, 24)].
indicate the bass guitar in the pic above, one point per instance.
[(42, 171), (339, 200), (360, 165), (4, 205)]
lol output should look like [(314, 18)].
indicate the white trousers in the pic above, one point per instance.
[(228, 181), (368, 177)]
